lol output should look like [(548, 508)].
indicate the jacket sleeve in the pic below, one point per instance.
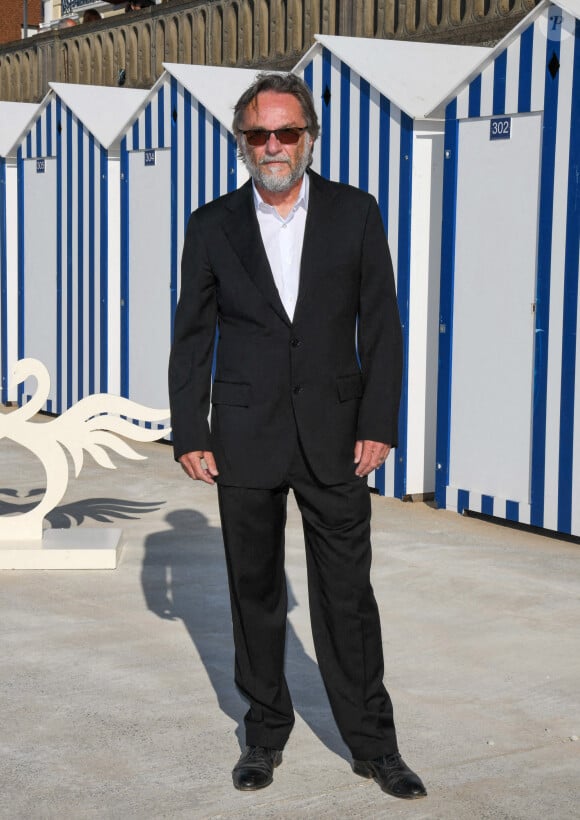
[(191, 355), (380, 346)]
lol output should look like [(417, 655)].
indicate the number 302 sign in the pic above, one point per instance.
[(500, 128)]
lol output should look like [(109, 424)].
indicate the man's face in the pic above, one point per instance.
[(275, 166)]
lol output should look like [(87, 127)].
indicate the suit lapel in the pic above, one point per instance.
[(314, 245), (243, 232)]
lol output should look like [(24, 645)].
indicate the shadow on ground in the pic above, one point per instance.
[(184, 577), (106, 510)]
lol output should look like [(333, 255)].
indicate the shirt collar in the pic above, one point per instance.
[(302, 200)]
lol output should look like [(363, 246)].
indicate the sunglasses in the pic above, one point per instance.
[(286, 136)]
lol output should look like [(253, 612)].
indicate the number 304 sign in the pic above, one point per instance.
[(500, 128)]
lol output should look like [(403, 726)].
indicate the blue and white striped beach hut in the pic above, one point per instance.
[(372, 98), (178, 153), (509, 382), (14, 120), (69, 217)]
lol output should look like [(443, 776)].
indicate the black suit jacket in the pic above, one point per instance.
[(274, 375)]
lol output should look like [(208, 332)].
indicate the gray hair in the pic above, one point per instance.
[(281, 84)]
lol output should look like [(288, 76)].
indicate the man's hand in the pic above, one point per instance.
[(369, 455), (193, 465)]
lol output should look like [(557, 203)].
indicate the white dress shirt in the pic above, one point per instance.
[(283, 240)]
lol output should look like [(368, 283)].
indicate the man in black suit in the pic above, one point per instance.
[(297, 274)]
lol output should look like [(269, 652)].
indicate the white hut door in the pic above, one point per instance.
[(40, 274), (493, 314), (149, 276)]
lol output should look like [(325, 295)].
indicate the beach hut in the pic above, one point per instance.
[(372, 98), (14, 119), (69, 220), (509, 388), (177, 153)]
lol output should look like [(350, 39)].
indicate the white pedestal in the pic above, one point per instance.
[(78, 548)]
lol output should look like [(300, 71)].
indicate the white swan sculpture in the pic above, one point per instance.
[(92, 424)]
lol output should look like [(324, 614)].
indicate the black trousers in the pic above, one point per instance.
[(343, 611)]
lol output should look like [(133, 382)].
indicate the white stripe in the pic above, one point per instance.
[(539, 63), (513, 76), (86, 262), (224, 171), (335, 107), (394, 160), (463, 104), (451, 498), (97, 233), (486, 109), (208, 156), (318, 102), (195, 158), (64, 256), (374, 126), (354, 130), (73, 295), (390, 475)]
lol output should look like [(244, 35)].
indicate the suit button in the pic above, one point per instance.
[(294, 342), (297, 389)]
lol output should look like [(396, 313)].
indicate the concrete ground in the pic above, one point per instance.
[(116, 686)]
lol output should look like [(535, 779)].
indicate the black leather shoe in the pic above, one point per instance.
[(393, 776), (255, 768)]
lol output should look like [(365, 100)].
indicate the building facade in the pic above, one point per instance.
[(130, 49)]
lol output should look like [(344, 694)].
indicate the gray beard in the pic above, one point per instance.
[(274, 183)]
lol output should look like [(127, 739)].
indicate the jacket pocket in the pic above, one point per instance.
[(234, 393), (350, 387)]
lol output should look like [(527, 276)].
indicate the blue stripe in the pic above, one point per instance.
[(512, 510), (135, 131), (38, 129), (325, 124), (569, 330), (403, 285), (309, 75), (487, 504), (474, 104), (21, 254), (364, 126), (49, 130), (29, 144), (525, 71), (125, 270), (80, 273), (174, 206), (462, 501), (91, 226), (148, 127), (104, 259), (499, 80), (216, 158), (160, 117), (384, 154), (202, 158), (446, 302), (59, 260), (343, 173), (188, 148), (543, 289), (380, 476), (3, 286), (69, 257), (232, 164)]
